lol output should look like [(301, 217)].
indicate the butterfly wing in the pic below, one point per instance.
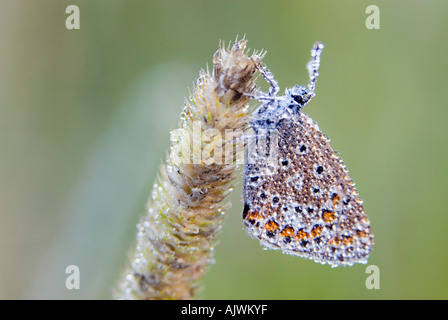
[(301, 200)]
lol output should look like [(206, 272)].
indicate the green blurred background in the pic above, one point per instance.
[(85, 117)]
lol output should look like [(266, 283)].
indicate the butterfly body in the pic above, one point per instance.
[(298, 196)]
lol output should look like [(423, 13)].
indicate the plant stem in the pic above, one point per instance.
[(176, 237)]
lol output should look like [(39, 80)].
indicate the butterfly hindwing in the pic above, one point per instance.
[(298, 196)]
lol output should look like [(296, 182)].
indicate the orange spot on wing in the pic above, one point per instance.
[(335, 199), (335, 241), (271, 226), (347, 240), (362, 234), (287, 232), (317, 230), (328, 216), (254, 215), (302, 235)]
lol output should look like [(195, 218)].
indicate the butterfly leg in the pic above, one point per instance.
[(260, 96), (269, 77)]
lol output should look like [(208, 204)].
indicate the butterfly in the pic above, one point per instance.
[(297, 194)]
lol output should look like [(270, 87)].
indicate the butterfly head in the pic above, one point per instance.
[(298, 96)]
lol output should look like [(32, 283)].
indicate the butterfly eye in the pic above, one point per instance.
[(299, 99)]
